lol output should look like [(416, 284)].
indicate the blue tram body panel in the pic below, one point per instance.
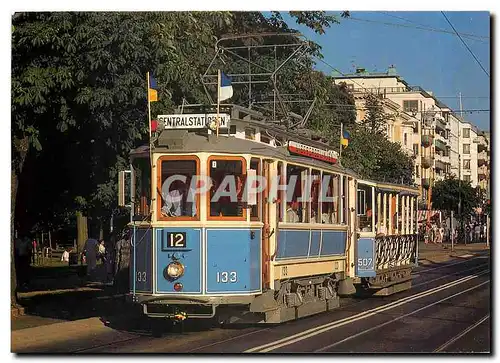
[(333, 243), (141, 271), (233, 261), (365, 257), (306, 243), (189, 253)]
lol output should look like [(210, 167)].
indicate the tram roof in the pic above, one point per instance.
[(391, 187)]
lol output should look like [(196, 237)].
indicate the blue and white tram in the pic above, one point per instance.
[(207, 243)]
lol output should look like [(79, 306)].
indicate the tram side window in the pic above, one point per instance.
[(255, 209), (297, 210), (345, 199), (227, 187), (330, 209), (315, 196), (142, 172), (178, 183), (281, 193), (364, 208)]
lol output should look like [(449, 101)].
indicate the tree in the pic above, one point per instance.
[(455, 195)]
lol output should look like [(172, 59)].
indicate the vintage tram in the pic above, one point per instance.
[(314, 232)]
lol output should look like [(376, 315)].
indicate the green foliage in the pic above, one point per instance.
[(449, 193), (373, 156)]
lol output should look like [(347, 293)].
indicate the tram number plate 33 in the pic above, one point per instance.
[(365, 263), (225, 277)]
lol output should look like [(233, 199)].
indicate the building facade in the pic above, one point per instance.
[(442, 143)]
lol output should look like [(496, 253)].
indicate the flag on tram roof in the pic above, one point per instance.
[(346, 136), (152, 89), (225, 87)]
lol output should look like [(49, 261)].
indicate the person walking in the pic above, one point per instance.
[(90, 252), (122, 263)]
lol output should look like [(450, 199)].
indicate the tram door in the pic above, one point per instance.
[(266, 265)]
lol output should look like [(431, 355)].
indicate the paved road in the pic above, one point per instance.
[(447, 310)]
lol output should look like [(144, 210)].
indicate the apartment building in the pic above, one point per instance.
[(422, 124)]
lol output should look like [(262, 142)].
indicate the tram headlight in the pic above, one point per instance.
[(173, 271)]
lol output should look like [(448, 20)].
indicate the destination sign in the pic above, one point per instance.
[(312, 152), (194, 121)]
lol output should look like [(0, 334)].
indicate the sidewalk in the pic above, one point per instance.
[(438, 253), (66, 337)]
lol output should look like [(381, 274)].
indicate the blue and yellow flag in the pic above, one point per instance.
[(152, 89), (346, 136)]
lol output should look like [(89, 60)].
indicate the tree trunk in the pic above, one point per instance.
[(82, 231), (19, 152)]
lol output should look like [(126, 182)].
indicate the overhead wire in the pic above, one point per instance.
[(463, 41)]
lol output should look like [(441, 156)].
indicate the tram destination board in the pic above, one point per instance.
[(194, 121)]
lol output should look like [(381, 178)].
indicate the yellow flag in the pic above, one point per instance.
[(153, 95)]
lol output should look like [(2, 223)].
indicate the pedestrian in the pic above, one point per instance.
[(34, 251), (122, 262), (108, 263), (102, 251), (90, 252), (65, 255), (22, 260)]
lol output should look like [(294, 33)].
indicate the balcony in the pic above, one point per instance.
[(427, 140), (483, 170), (440, 145), (482, 147), (426, 162), (442, 166), (440, 124)]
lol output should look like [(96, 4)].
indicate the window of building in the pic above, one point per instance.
[(265, 139), (297, 210), (466, 148), (228, 179), (405, 138), (410, 106), (467, 178), (249, 133), (466, 133), (364, 208), (177, 179), (417, 171), (415, 149), (466, 164)]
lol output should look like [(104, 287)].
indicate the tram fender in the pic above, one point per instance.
[(264, 302)]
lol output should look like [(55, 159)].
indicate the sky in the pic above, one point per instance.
[(436, 61)]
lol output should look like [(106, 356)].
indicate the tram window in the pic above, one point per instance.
[(297, 210), (226, 192), (315, 195), (345, 199), (142, 172), (178, 197), (281, 193), (255, 210), (400, 216), (329, 208), (364, 208), (387, 211), (394, 214)]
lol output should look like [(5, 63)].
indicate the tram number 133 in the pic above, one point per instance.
[(227, 277)]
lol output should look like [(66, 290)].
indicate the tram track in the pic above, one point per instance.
[(252, 331)]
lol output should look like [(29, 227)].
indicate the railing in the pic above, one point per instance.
[(394, 251)]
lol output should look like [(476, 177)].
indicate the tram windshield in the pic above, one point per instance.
[(178, 197), (364, 207), (228, 181)]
